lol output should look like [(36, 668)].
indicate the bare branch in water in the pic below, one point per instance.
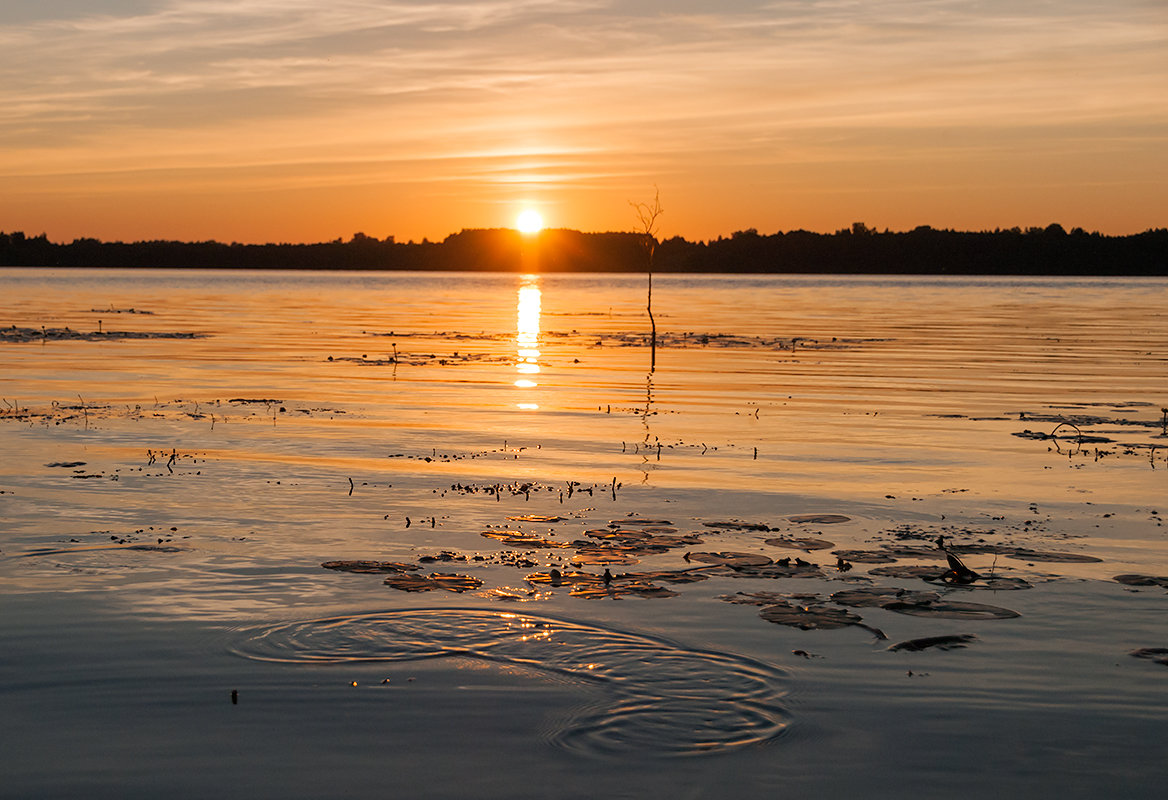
[(648, 216)]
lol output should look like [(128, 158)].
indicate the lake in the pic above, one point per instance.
[(297, 534)]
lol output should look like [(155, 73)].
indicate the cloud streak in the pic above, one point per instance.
[(610, 93)]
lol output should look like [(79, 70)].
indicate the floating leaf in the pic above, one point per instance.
[(669, 540), (879, 597), (639, 588), (754, 598), (809, 618), (769, 598), (807, 543), (779, 570), (1157, 654), (730, 559), (909, 551), (370, 566), (738, 526), (523, 539), (556, 578), (999, 584), (639, 521), (690, 575), (599, 556), (510, 594), (936, 574), (1142, 580), (631, 534), (864, 556), (951, 609), (952, 642), (444, 555), (1025, 554), (819, 519), (61, 551), (436, 580), (535, 518), (905, 571)]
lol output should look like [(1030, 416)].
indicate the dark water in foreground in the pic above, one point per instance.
[(184, 450)]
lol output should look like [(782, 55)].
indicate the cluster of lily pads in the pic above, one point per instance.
[(624, 541)]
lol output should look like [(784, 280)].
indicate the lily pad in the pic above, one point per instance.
[(370, 567), (730, 559), (806, 543), (906, 571), (755, 598), (880, 596), (512, 595), (691, 575), (999, 584), (864, 556), (819, 519), (809, 618), (535, 518), (639, 588), (950, 609), (952, 642), (523, 539), (600, 556), (1157, 654), (629, 534), (779, 570), (909, 551), (556, 578), (1025, 554), (738, 526), (671, 540), (1142, 580), (436, 580)]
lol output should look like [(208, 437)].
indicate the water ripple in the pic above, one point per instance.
[(661, 697)]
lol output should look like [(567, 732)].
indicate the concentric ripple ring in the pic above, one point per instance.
[(660, 697)]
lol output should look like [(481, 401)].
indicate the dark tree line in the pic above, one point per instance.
[(855, 250)]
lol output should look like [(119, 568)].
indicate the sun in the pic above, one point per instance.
[(529, 221)]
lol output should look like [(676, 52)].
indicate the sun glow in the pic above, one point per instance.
[(529, 221)]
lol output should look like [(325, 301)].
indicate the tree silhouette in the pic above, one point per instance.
[(648, 215)]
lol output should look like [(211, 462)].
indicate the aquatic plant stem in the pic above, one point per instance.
[(647, 217)]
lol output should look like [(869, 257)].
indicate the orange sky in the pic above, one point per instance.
[(290, 120)]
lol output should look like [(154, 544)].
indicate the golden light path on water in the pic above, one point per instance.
[(527, 338)]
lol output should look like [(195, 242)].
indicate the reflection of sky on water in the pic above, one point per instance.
[(527, 336)]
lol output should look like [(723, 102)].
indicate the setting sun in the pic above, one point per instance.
[(529, 221)]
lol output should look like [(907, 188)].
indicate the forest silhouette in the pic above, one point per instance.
[(855, 250)]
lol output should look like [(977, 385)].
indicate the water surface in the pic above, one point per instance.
[(191, 478)]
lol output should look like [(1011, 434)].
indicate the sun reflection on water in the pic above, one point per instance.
[(527, 336)]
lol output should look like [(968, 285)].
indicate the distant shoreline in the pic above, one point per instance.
[(858, 250)]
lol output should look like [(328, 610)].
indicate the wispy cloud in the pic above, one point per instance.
[(607, 91)]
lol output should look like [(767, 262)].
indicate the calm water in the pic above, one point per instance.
[(168, 498)]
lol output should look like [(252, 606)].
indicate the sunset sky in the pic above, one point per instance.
[(307, 120)]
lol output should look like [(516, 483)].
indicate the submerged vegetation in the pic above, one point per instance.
[(856, 250)]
